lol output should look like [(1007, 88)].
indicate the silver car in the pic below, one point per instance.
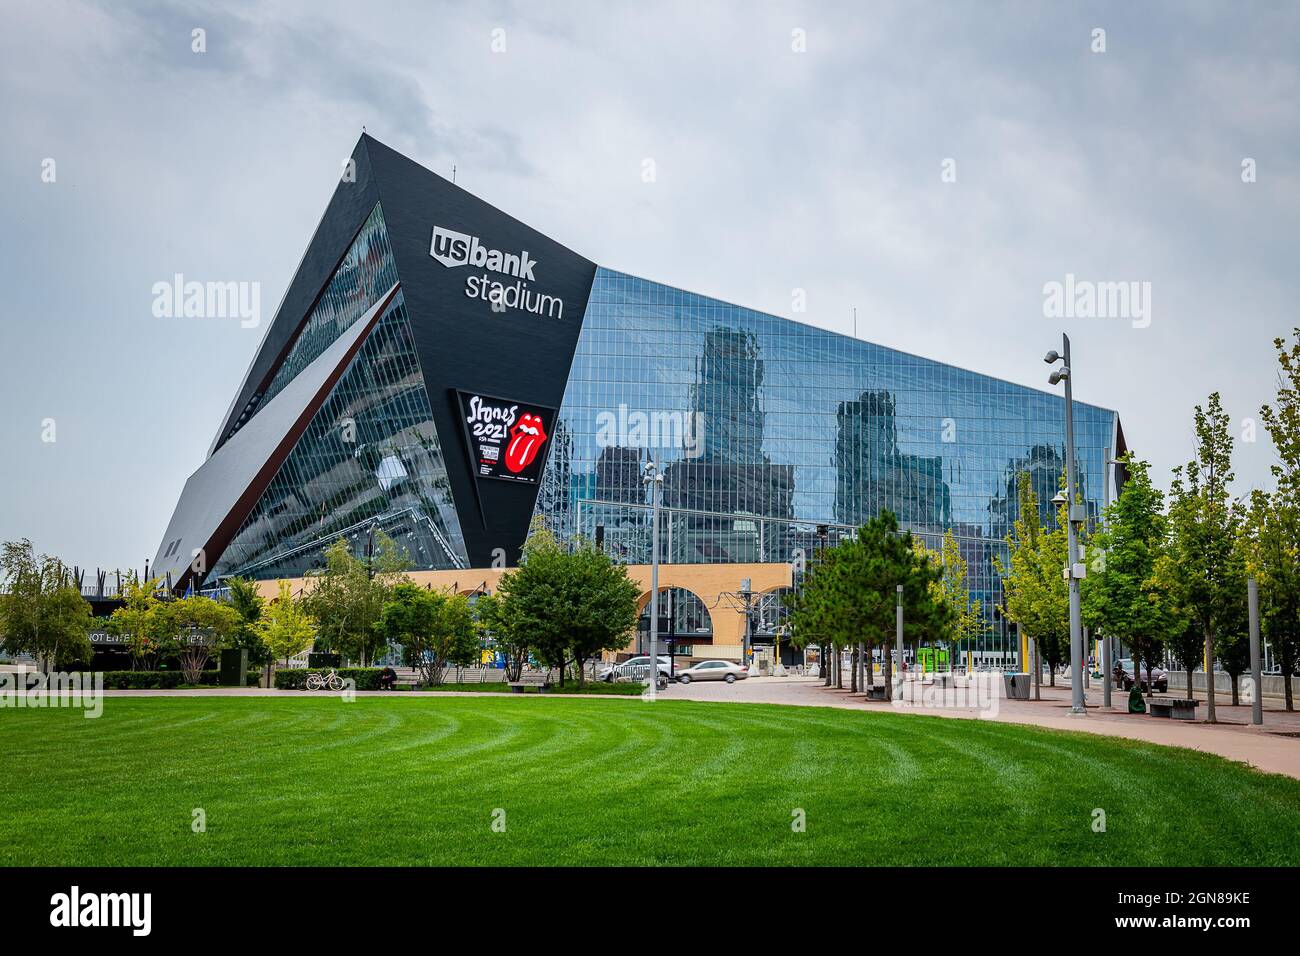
[(629, 669), (713, 670)]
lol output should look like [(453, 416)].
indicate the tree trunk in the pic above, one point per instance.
[(853, 674), (826, 666), (1189, 683), (1051, 674), (1236, 695)]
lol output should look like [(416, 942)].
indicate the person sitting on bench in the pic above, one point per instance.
[(387, 679)]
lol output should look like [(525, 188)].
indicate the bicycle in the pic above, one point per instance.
[(318, 681)]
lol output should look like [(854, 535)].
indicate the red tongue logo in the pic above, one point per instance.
[(526, 440)]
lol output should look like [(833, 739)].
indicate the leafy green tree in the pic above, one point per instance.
[(1273, 557), (1273, 552), (1187, 648), (808, 608), (605, 605), (139, 622), (248, 603), (42, 612), (1125, 595), (285, 627), (1204, 522), (953, 590), (191, 628), (347, 597), (433, 629), (850, 595), (1037, 596), (493, 627), (1232, 639), (573, 604)]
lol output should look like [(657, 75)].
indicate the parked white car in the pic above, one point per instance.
[(628, 668)]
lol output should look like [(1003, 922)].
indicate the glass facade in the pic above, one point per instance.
[(366, 272), (369, 458), (773, 436)]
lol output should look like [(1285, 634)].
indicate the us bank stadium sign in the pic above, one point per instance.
[(456, 249), (507, 440)]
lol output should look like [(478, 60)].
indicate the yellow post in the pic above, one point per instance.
[(1024, 650)]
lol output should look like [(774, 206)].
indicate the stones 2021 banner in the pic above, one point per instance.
[(506, 439)]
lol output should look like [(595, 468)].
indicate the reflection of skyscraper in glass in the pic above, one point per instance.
[(733, 478), (726, 394), (618, 475), (872, 473), (1045, 466)]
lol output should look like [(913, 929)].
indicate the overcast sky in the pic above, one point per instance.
[(775, 168)]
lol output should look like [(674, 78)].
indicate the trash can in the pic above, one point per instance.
[(1017, 685)]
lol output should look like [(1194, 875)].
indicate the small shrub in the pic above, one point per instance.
[(154, 680)]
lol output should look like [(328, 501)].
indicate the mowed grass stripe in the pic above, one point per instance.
[(302, 780)]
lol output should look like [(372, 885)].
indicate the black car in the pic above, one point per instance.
[(1124, 676)]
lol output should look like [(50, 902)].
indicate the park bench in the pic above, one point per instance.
[(408, 678), (1178, 708), (876, 692), (529, 679)]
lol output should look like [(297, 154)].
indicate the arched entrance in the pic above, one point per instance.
[(685, 624)]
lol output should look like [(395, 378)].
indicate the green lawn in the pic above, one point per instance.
[(304, 780)]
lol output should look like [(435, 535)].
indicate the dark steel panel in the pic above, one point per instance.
[(464, 344)]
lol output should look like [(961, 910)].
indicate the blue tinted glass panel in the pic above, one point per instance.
[(797, 428), (369, 457)]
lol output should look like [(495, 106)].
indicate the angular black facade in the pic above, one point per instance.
[(462, 343)]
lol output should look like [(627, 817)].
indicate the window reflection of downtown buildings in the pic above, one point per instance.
[(806, 434)]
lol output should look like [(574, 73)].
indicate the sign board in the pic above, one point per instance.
[(508, 440)]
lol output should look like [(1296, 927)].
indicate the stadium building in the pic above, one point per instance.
[(441, 372)]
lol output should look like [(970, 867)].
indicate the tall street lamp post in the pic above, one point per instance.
[(654, 479), (1075, 515), (897, 694)]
